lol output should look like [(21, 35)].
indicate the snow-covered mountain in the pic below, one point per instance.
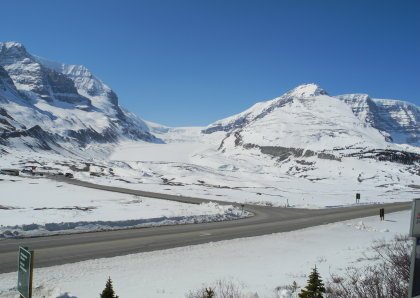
[(64, 104), (307, 121), (398, 120), (261, 109)]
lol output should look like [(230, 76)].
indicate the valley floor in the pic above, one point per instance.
[(257, 264), (190, 164), (195, 168)]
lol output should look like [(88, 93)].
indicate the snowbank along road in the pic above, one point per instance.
[(55, 250)]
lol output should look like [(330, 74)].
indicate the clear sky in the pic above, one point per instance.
[(180, 62)]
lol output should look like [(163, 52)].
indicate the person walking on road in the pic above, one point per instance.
[(382, 213)]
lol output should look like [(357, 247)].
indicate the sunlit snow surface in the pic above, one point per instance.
[(190, 164), (195, 167), (257, 264), (220, 166), (37, 206)]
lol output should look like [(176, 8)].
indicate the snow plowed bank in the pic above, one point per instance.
[(33, 207)]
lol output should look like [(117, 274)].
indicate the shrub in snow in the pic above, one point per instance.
[(208, 293), (388, 277), (288, 291), (220, 289)]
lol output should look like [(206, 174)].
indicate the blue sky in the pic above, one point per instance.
[(181, 62)]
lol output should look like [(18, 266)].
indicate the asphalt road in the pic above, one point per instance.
[(61, 249)]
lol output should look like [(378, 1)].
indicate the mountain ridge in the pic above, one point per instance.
[(47, 104), (396, 120), (67, 102)]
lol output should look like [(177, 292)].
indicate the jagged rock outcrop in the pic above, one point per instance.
[(397, 120), (67, 102)]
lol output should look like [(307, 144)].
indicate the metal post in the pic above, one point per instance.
[(413, 260), (32, 273), (414, 286)]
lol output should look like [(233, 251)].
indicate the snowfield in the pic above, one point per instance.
[(319, 153), (249, 176), (190, 164), (257, 264), (37, 206)]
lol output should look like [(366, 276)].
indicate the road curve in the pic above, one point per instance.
[(62, 249)]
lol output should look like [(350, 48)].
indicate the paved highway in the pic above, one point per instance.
[(61, 249)]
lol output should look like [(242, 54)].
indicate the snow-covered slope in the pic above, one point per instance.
[(308, 119), (398, 120), (66, 102), (304, 118), (261, 109)]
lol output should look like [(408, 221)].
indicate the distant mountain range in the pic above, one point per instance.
[(52, 106)]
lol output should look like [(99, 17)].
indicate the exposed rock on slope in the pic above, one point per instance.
[(399, 121), (67, 102)]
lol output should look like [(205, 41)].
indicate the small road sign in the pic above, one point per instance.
[(357, 197), (26, 262)]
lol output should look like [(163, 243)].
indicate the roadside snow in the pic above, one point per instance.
[(260, 264), (31, 207)]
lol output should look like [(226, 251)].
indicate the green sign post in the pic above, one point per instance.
[(26, 264)]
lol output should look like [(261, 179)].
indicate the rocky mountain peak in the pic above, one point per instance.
[(11, 52), (306, 90), (13, 47), (67, 102)]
